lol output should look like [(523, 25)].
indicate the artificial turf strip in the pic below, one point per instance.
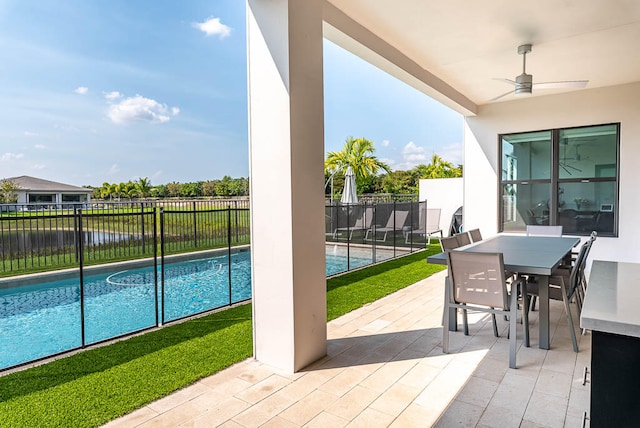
[(95, 386)]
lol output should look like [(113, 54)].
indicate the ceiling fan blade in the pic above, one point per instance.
[(502, 79), (503, 95), (565, 84)]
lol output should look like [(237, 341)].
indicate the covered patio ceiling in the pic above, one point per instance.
[(467, 45)]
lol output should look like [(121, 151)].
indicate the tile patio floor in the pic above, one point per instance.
[(385, 368)]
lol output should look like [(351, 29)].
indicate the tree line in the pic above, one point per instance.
[(358, 153), (372, 176), (142, 188)]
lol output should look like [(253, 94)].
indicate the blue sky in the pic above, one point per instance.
[(113, 91)]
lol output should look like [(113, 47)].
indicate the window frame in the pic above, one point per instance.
[(555, 181)]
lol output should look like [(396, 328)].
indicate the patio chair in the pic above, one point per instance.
[(449, 243), (463, 238), (362, 223), (476, 282), (431, 227), (475, 234), (395, 222), (565, 285), (541, 230)]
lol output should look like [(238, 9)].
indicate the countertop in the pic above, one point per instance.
[(612, 302)]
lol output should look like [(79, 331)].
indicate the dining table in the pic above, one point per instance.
[(524, 255)]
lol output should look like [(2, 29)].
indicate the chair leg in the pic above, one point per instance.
[(465, 322), (525, 312), (513, 339), (534, 299), (567, 309), (447, 319), (495, 325)]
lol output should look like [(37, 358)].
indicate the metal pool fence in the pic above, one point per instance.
[(36, 238), (376, 231), (103, 300)]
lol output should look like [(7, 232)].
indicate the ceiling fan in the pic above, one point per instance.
[(524, 82)]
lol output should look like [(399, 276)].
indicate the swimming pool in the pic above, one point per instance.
[(44, 319)]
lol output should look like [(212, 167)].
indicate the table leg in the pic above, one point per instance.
[(543, 321)]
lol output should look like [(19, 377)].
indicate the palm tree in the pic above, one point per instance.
[(438, 168), (357, 153), (143, 187)]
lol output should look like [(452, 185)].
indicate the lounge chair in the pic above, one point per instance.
[(395, 222), (362, 223), (431, 227)]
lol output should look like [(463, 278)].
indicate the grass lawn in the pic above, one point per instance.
[(97, 385)]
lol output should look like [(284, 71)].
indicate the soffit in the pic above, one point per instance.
[(468, 44)]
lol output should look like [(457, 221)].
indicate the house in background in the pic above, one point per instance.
[(37, 191)]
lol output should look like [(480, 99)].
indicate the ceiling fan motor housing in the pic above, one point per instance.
[(524, 83)]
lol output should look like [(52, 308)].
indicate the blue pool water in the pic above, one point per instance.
[(44, 319)]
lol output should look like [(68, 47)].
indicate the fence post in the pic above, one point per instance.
[(142, 224), (394, 228), (162, 261), (229, 248), (195, 227), (81, 261), (75, 228), (155, 260), (235, 202)]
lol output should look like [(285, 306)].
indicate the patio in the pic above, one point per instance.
[(385, 367)]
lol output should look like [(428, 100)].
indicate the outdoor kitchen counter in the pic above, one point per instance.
[(612, 312), (612, 303)]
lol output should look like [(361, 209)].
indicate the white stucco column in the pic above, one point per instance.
[(286, 152)]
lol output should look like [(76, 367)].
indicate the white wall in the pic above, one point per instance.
[(286, 133), (443, 193), (581, 108)]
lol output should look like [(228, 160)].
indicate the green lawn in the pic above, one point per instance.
[(97, 385)]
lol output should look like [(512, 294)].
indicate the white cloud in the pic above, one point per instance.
[(82, 90), (113, 95), (30, 134), (413, 155), (451, 153), (175, 111), (40, 146), (38, 166), (388, 161), (11, 156), (139, 109), (385, 143), (213, 27), (66, 128), (114, 169)]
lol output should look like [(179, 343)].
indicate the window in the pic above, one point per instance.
[(565, 177)]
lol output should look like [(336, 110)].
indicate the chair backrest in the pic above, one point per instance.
[(364, 221), (397, 219), (463, 238), (539, 230), (433, 220), (477, 278), (577, 271), (475, 235), (449, 243)]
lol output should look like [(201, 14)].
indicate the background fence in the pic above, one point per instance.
[(36, 238)]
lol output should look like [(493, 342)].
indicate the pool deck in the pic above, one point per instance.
[(385, 368)]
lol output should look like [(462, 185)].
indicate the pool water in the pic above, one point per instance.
[(44, 319)]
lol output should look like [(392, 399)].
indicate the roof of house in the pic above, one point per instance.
[(40, 185)]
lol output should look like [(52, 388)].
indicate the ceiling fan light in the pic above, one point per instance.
[(524, 83)]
